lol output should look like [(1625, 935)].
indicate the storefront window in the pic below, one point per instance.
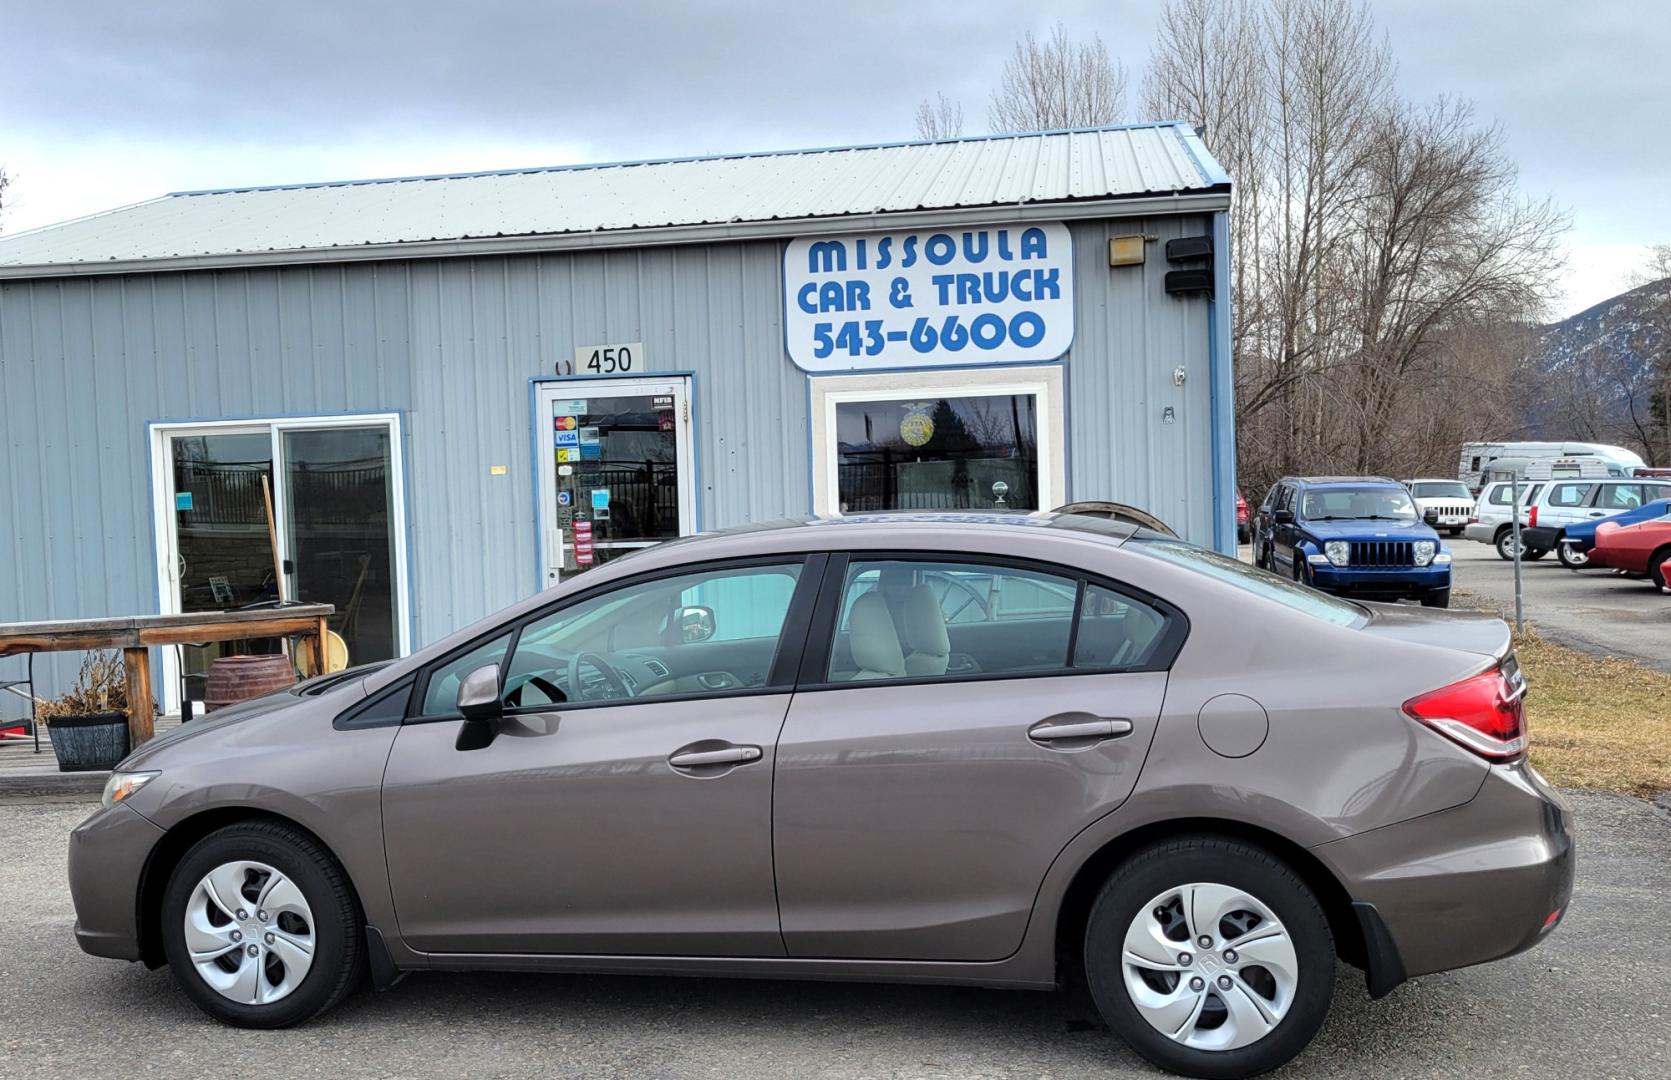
[(938, 453)]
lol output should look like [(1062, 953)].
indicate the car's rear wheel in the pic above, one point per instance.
[(1505, 546), (1570, 557), (1210, 957), (261, 926)]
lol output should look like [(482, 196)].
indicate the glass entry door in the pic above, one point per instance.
[(336, 534), (615, 469)]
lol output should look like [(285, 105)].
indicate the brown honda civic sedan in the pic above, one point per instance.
[(1011, 751)]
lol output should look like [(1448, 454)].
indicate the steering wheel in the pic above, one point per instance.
[(617, 685)]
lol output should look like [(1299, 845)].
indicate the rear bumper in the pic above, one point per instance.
[(1540, 537), (1484, 532), (1467, 885), (108, 852)]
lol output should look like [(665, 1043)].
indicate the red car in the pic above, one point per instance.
[(1241, 519), (1643, 548)]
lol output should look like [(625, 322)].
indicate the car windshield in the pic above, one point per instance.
[(1358, 504), (1233, 572), (1441, 489)]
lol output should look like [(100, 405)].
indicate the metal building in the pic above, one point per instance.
[(458, 388)]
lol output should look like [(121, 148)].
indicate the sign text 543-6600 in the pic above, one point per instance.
[(998, 294)]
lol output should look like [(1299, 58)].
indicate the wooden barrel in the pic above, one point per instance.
[(238, 678)]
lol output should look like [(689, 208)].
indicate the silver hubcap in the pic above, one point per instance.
[(250, 933), (1210, 966), (1576, 558)]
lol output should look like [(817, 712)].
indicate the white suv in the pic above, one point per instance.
[(1450, 499), (1492, 521), (1568, 502)]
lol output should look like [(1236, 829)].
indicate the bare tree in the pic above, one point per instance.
[(1650, 341), (1058, 83), (5, 182), (941, 118)]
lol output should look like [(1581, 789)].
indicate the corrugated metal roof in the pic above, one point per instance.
[(1094, 164)]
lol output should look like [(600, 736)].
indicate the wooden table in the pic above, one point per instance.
[(135, 635)]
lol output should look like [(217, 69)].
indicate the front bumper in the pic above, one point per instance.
[(108, 852), (1379, 583), (1467, 885)]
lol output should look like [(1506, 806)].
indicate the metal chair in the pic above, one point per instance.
[(28, 681)]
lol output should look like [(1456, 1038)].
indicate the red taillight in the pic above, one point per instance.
[(1532, 518), (1484, 714)]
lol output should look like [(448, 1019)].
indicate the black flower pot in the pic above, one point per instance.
[(89, 743)]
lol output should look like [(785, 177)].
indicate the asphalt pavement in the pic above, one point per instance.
[(1592, 610), (1593, 1001)]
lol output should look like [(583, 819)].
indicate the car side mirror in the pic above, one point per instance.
[(1284, 517), (695, 623), (1430, 516), (478, 694)]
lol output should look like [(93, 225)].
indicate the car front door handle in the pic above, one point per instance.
[(1079, 728), (725, 755)]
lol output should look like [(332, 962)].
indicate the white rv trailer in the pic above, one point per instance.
[(1498, 460)]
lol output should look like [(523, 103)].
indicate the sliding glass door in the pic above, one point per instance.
[(255, 512)]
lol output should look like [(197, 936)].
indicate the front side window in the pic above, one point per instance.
[(938, 452), (1620, 497), (441, 693), (708, 632), (1358, 504)]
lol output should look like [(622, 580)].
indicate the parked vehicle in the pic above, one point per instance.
[(1353, 536), (1574, 542), (1493, 522), (1640, 548), (871, 748), (1479, 458), (1450, 499), (1243, 530), (1569, 502)]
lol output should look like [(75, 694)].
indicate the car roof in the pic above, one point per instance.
[(1327, 481), (1433, 480)]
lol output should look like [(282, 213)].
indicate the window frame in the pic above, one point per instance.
[(826, 619), (786, 661)]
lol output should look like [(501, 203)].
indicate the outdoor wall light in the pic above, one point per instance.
[(1126, 250)]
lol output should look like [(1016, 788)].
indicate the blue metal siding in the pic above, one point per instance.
[(87, 363)]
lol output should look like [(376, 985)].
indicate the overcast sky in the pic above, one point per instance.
[(103, 104)]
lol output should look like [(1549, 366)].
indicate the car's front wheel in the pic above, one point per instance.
[(1210, 957), (261, 927), (1571, 557)]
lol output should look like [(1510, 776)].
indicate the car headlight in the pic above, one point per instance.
[(1338, 552), (1425, 550), (121, 785)]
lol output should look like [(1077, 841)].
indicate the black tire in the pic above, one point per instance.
[(1655, 561), (1457, 531), (1565, 553), (1221, 860), (339, 961), (1505, 544), (1296, 563), (1440, 598)]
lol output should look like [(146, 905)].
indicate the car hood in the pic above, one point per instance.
[(1370, 530), (1466, 631), (221, 719)]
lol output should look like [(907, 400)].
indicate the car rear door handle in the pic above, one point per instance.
[(725, 755), (1080, 727)]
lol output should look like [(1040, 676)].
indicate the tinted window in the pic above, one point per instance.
[(1440, 490), (1569, 494), (1501, 495), (1249, 579), (1116, 632), (915, 619), (701, 633)]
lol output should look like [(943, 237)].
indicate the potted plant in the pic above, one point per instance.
[(88, 725)]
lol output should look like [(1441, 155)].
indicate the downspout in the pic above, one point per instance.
[(1221, 374)]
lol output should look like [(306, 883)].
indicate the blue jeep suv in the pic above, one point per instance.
[(1357, 536)]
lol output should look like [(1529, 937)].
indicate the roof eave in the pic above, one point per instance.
[(1205, 200)]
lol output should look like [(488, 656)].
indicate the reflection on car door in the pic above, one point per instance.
[(591, 828), (914, 818)]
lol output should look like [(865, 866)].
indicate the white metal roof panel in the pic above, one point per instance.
[(1101, 163)]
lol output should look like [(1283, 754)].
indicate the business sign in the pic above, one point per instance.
[(948, 298)]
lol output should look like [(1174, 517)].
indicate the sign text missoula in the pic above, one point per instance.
[(941, 298)]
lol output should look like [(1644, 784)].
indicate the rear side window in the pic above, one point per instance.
[(1569, 494), (1620, 497), (911, 619)]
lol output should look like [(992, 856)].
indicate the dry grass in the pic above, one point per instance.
[(101, 686), (1596, 722)]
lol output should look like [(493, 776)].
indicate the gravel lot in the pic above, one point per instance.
[(1593, 1001), (1591, 610)]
